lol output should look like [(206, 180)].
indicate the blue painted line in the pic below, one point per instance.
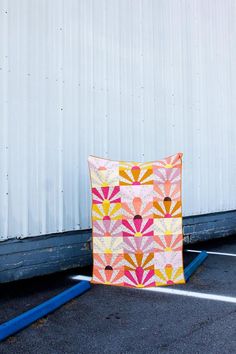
[(192, 267), (25, 319)]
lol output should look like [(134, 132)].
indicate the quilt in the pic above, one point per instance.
[(137, 222)]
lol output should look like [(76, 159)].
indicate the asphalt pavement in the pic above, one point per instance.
[(119, 320)]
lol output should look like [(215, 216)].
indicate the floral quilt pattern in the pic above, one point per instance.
[(137, 222)]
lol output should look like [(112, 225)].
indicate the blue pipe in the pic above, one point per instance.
[(25, 319), (192, 267)]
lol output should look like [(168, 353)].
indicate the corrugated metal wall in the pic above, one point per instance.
[(131, 80)]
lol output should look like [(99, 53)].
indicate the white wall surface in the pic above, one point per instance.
[(124, 79)]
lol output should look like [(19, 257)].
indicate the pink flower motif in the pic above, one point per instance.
[(168, 243), (137, 208), (139, 278), (143, 244), (108, 269), (138, 227), (139, 270), (136, 201), (174, 161), (103, 172), (163, 175), (167, 190), (107, 228), (106, 195)]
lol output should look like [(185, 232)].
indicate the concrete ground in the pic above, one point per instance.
[(121, 320)]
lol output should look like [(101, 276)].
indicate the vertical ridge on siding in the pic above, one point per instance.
[(4, 67)]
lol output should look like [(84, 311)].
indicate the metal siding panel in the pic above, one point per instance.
[(113, 55), (131, 80), (85, 97), (4, 67), (70, 131), (18, 120)]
